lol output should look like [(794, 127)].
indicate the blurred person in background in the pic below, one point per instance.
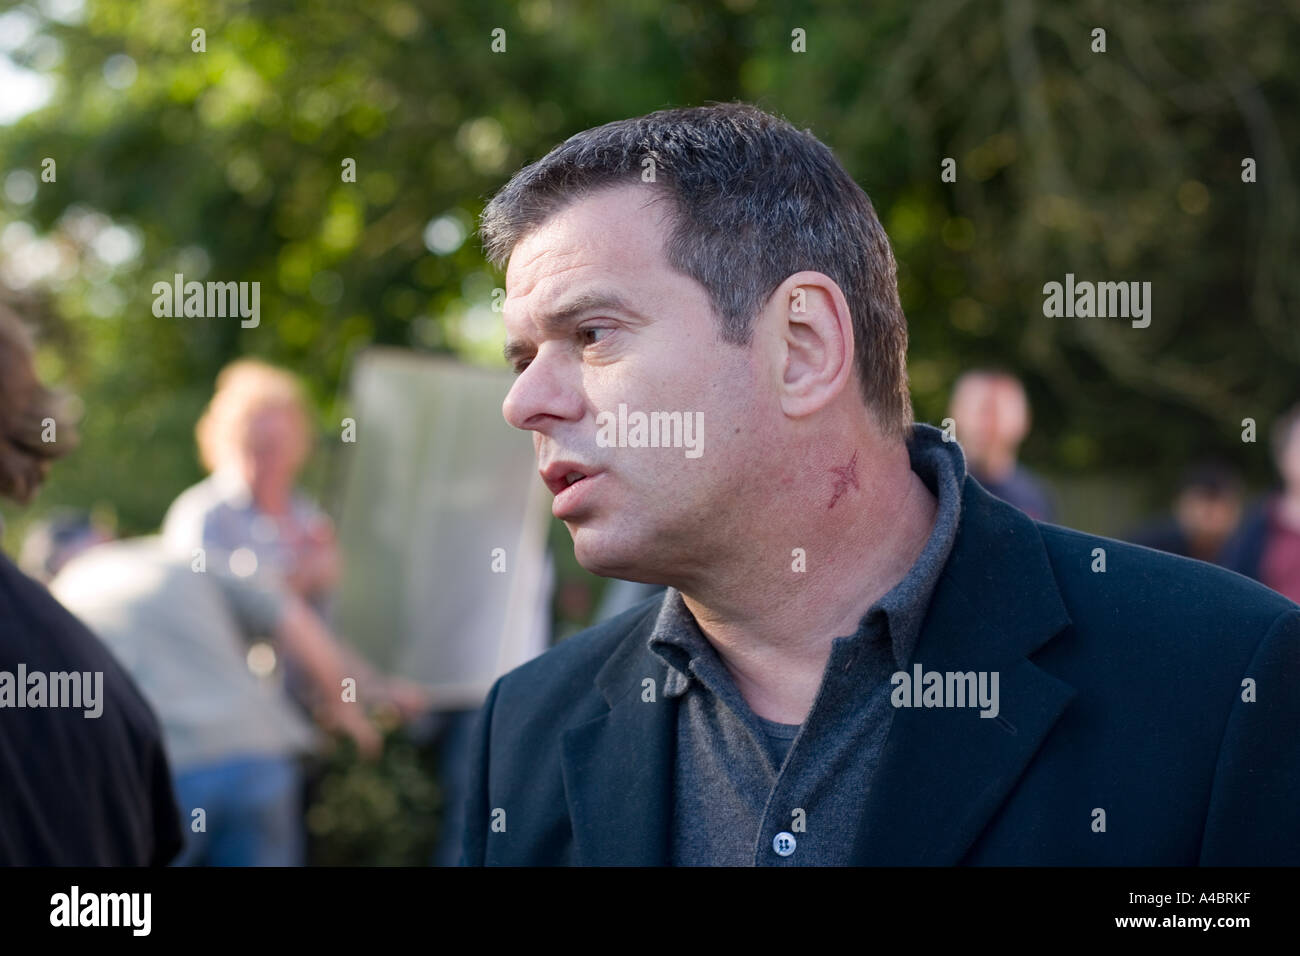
[(234, 738), (1267, 545), (992, 416), (247, 516), (254, 438), (51, 543), (78, 791), (1206, 510)]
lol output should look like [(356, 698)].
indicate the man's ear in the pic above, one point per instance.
[(808, 325)]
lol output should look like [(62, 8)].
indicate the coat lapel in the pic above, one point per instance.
[(946, 770), (618, 767)]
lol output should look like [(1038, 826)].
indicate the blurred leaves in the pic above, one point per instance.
[(385, 813), (227, 165)]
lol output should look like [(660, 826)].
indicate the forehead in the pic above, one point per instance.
[(989, 391), (611, 241), (274, 419)]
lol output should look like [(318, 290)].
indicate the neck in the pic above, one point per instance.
[(271, 502), (997, 464), (773, 625)]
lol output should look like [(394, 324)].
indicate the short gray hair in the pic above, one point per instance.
[(754, 201)]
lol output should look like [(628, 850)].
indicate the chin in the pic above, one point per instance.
[(609, 553)]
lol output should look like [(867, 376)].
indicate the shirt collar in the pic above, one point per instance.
[(941, 465), (676, 637)]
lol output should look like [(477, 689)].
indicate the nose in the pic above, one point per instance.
[(543, 395)]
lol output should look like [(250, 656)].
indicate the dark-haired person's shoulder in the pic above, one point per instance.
[(79, 769)]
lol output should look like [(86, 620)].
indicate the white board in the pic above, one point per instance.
[(435, 482)]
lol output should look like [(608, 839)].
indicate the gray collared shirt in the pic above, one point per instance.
[(219, 515), (740, 780)]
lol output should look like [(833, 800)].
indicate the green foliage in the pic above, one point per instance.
[(385, 813), (226, 164)]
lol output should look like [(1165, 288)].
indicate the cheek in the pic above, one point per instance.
[(1224, 517)]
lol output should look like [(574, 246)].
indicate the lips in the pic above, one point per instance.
[(570, 482), (561, 475)]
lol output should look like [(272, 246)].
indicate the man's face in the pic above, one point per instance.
[(647, 338), (991, 416), (1207, 516), (273, 451)]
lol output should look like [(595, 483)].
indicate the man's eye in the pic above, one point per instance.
[(588, 334)]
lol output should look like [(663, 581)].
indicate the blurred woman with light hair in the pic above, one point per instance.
[(254, 438), (250, 521)]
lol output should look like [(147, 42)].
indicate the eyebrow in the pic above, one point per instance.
[(557, 320)]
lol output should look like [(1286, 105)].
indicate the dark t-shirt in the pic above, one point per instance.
[(75, 790)]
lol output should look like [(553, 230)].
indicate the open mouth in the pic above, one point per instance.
[(560, 476), (570, 490)]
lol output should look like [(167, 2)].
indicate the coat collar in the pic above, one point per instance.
[(618, 768), (944, 771)]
